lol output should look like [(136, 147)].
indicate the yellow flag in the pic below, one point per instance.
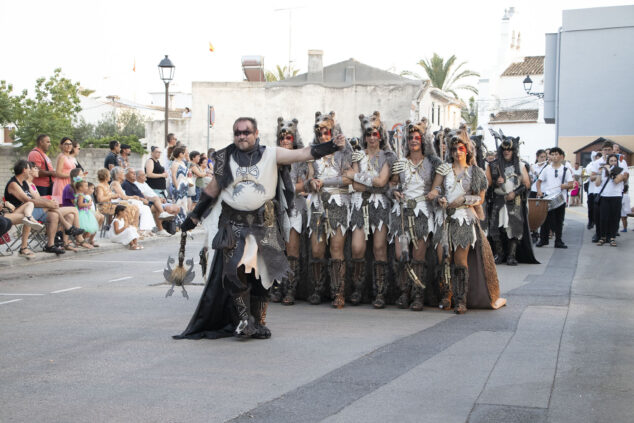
[(211, 47)]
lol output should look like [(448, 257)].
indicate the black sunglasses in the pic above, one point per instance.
[(246, 133), (556, 173)]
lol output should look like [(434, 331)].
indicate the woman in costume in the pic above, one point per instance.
[(288, 137), (412, 216), (370, 207), (464, 186), (329, 213)]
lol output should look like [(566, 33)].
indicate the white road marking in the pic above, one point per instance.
[(65, 290), (156, 271), (22, 295), (116, 261), (11, 301), (120, 279)]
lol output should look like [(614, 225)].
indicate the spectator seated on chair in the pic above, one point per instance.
[(146, 219), (10, 215), (18, 192), (168, 210), (107, 200), (69, 216)]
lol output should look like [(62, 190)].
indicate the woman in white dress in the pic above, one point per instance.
[(121, 232)]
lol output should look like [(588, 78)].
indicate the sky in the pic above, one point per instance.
[(99, 42)]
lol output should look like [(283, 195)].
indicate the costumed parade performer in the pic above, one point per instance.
[(370, 207), (246, 204), (412, 221), (474, 281), (329, 213), (508, 221), (288, 137)]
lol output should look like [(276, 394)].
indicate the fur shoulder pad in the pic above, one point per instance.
[(443, 169), (478, 180), (435, 161)]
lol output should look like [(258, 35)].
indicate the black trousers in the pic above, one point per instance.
[(554, 222), (591, 208), (609, 216)]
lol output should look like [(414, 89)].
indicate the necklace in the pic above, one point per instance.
[(245, 173), (373, 162)]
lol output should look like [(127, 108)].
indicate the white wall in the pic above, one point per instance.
[(533, 136), (266, 103)]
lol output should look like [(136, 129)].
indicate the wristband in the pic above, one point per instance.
[(324, 149), (363, 179)]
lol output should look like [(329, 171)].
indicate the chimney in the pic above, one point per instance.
[(315, 66)]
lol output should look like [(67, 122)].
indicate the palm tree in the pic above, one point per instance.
[(470, 114), (444, 75), (281, 72)]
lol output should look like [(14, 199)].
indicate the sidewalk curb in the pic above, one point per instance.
[(104, 245)]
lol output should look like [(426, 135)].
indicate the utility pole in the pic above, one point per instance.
[(290, 26)]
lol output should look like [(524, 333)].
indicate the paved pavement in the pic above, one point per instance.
[(88, 339)]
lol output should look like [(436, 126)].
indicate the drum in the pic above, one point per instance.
[(537, 212), (556, 200)]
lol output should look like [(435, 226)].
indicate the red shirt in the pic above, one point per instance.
[(41, 160)]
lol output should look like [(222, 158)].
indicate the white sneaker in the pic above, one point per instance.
[(166, 216), (163, 233), (32, 223)]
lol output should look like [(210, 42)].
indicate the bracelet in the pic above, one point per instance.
[(438, 189)]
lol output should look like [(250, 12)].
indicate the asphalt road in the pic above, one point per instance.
[(89, 340)]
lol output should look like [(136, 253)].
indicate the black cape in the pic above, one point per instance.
[(215, 317)]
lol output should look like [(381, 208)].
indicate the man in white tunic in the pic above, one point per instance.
[(245, 232)]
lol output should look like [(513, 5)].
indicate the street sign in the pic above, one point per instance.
[(211, 118)]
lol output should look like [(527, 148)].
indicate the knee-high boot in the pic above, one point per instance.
[(420, 269), (460, 287), (246, 326), (337, 279), (511, 260), (499, 251), (317, 267), (404, 286), (444, 282), (380, 270), (259, 306), (276, 291), (291, 281), (358, 279)]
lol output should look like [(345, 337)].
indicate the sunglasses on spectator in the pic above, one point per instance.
[(67, 143), (556, 173), (246, 133)]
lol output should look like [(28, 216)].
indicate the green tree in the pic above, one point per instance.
[(83, 130), (280, 73), (107, 126), (470, 114), (51, 110), (444, 75), (130, 122), (10, 105)]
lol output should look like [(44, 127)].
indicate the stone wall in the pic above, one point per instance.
[(90, 158), (155, 131)]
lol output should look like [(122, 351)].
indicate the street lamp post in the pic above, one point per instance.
[(166, 72), (528, 85)]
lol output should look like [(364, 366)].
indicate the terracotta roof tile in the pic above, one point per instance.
[(532, 65), (522, 115)]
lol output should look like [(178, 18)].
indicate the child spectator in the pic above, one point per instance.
[(87, 219), (123, 233), (68, 194), (91, 192)]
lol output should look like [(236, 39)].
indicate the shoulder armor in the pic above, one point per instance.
[(443, 169)]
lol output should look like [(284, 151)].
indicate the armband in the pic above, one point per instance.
[(363, 179), (324, 149)]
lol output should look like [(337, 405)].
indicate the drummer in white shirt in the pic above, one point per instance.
[(553, 182)]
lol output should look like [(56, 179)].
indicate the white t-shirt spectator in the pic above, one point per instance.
[(552, 179), (145, 189)]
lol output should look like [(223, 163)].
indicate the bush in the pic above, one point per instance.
[(131, 140)]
